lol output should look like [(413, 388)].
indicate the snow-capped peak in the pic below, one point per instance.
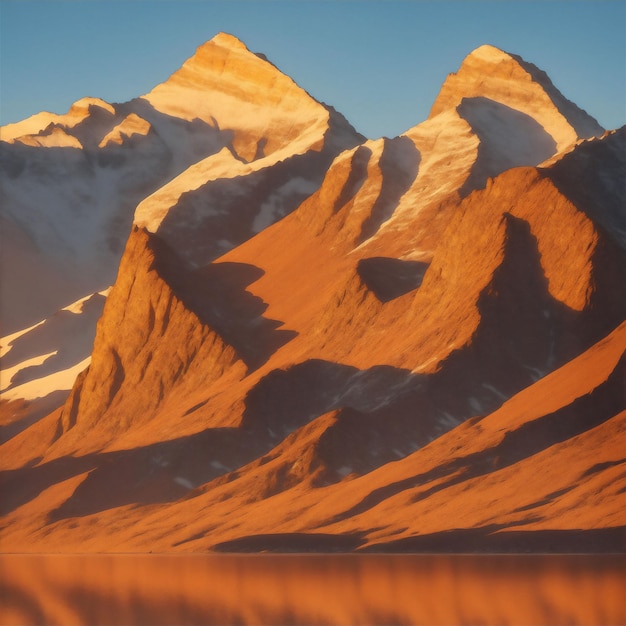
[(81, 107), (226, 40), (129, 126), (489, 54), (229, 88), (489, 73), (38, 123)]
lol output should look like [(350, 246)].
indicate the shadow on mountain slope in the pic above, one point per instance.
[(496, 539), (508, 138), (280, 403), (524, 332), (385, 413), (222, 213), (217, 294), (583, 414), (490, 540), (157, 473), (292, 542), (390, 278), (284, 400), (18, 415), (593, 178), (399, 164)]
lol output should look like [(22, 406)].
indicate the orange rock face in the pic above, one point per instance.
[(144, 319)]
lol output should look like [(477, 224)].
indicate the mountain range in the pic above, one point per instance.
[(232, 323)]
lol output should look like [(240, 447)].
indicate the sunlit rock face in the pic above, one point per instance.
[(317, 342), (512, 82)]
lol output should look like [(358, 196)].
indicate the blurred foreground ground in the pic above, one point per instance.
[(312, 589)]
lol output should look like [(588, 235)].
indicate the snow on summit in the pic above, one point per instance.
[(248, 95), (129, 126), (489, 72), (38, 123)]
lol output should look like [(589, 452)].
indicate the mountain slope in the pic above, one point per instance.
[(548, 462)]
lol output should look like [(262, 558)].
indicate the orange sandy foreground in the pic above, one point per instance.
[(331, 589)]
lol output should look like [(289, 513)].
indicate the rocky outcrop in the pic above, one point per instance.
[(148, 344)]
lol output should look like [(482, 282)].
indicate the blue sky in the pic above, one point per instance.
[(379, 62)]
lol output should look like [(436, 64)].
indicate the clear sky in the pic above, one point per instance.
[(379, 62)]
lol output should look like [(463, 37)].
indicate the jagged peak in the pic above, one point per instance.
[(489, 53), (491, 73), (131, 125), (494, 56), (221, 51), (41, 122), (225, 64), (82, 105), (228, 87), (476, 75), (226, 40)]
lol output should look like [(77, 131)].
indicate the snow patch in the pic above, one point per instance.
[(82, 106), (6, 343), (39, 388), (475, 404), (37, 123), (79, 305), (28, 354), (58, 138), (497, 392), (536, 372), (184, 482), (509, 138), (127, 128), (424, 366), (448, 420), (491, 54), (151, 212), (10, 372)]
